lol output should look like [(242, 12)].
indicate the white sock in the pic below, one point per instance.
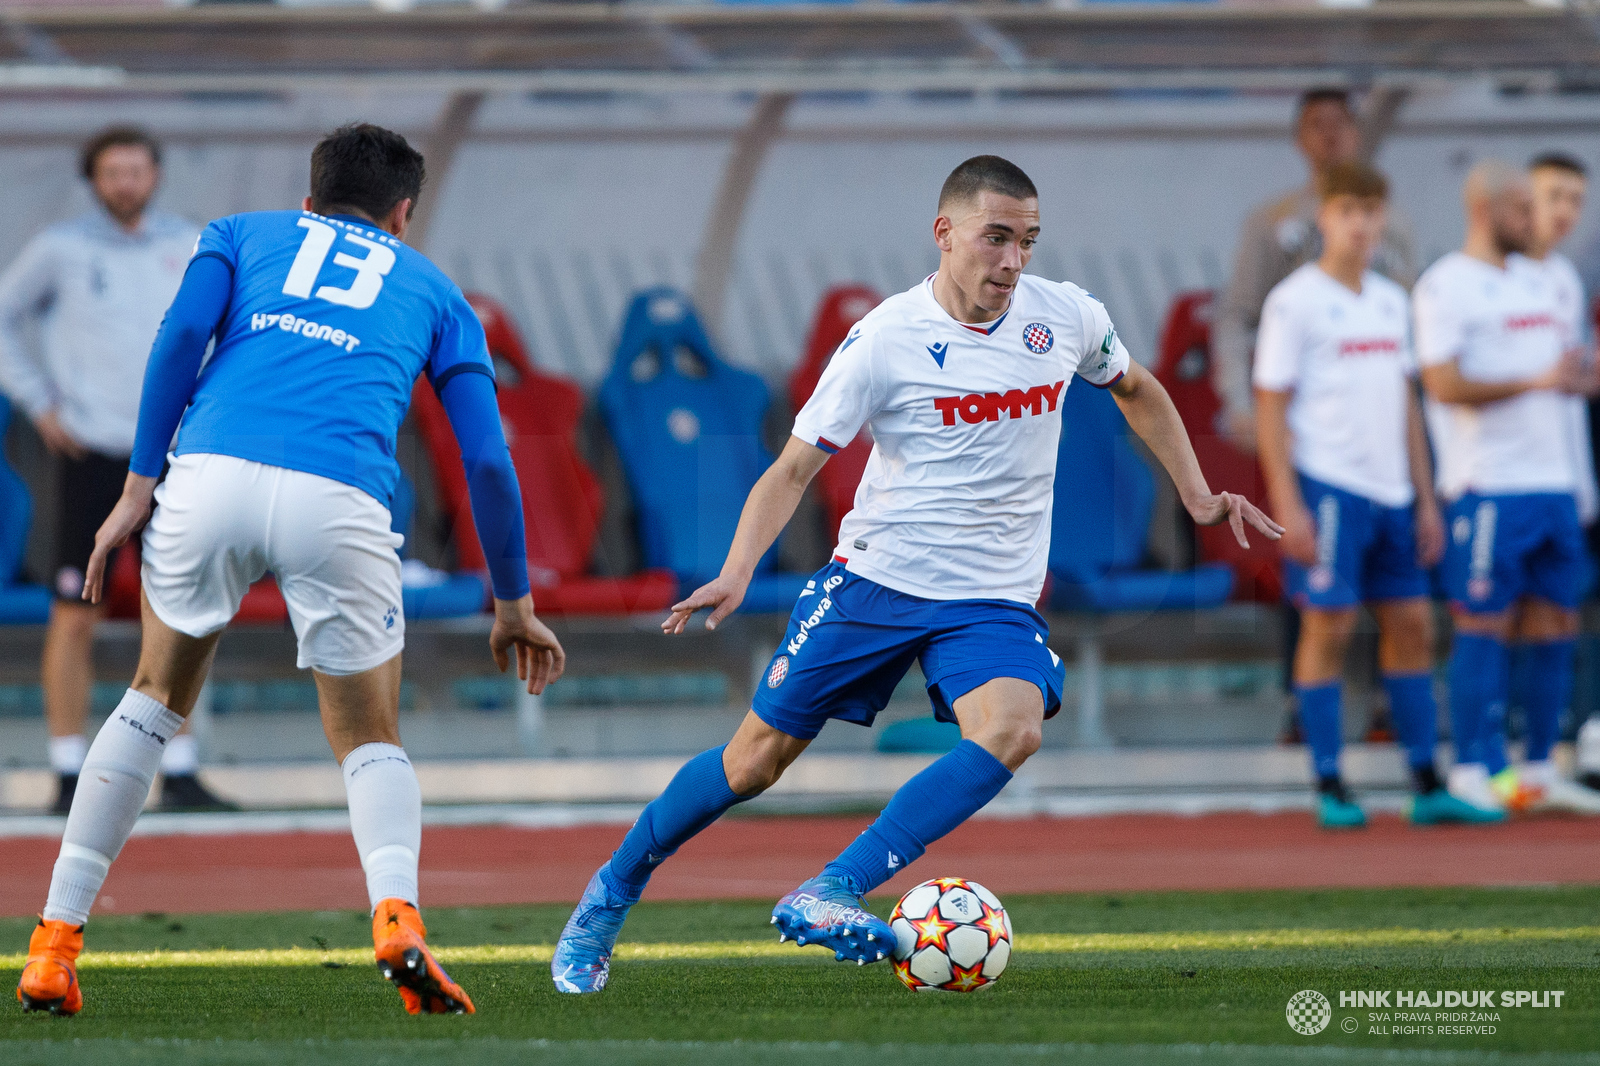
[(385, 818), (181, 756), (66, 753), (112, 788)]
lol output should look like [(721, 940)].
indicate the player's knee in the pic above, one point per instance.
[(751, 776), (1014, 738), (73, 621)]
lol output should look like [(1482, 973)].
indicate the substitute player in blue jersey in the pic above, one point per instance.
[(285, 461), (940, 561)]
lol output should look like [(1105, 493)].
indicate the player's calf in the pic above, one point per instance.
[(50, 976)]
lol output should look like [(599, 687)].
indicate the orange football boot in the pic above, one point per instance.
[(403, 958), (50, 976)]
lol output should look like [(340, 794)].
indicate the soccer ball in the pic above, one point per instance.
[(951, 935)]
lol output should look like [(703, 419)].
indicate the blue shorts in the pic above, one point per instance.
[(1501, 548), (1365, 552), (851, 640)]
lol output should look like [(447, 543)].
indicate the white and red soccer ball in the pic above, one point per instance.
[(951, 935)]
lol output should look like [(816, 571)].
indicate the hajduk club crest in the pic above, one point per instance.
[(1038, 338)]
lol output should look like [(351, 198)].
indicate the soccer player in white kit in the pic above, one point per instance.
[(940, 561), (1558, 183), (1345, 455), (1492, 348)]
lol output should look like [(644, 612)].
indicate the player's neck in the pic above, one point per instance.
[(1347, 270), (1484, 248), (958, 306)]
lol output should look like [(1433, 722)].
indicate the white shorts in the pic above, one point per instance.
[(220, 523)]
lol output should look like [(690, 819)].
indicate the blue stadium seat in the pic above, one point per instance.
[(20, 604), (687, 427), (426, 593), (1104, 500)]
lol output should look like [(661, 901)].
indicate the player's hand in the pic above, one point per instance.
[(56, 438), (1299, 540), (1235, 510), (1430, 533), (1577, 376), (540, 657), (127, 518), (723, 596)]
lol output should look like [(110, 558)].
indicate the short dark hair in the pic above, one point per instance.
[(1324, 95), (116, 137), (986, 172), (1559, 161), (365, 168), (1354, 179)]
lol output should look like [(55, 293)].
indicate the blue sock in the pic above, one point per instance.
[(1320, 721), (1547, 688), (1416, 718), (927, 807), (696, 797), (1478, 680)]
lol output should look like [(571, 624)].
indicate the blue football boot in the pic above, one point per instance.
[(1336, 810), (824, 911), (1439, 807), (582, 960)]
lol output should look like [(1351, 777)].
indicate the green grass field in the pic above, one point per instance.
[(1193, 978)]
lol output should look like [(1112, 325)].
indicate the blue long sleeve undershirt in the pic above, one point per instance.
[(173, 371), (491, 481)]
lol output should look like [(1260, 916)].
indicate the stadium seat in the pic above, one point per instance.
[(561, 498), (842, 307), (1184, 368), (1104, 499), (20, 604), (424, 591), (688, 430)]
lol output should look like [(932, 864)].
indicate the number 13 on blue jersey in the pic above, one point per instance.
[(370, 269)]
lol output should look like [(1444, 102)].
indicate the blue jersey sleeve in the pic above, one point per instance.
[(175, 358), (491, 481), (216, 242), (460, 346)]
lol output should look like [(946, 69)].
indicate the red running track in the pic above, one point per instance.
[(765, 857)]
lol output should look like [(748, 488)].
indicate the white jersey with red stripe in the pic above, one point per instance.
[(1346, 357), (1498, 325), (1572, 312), (966, 420)]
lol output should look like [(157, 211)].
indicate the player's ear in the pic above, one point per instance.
[(941, 232), (305, 205)]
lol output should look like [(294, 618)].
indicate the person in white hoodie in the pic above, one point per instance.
[(79, 309)]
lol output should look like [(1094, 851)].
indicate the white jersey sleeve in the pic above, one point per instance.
[(1104, 359), (1279, 344), (847, 395), (1440, 327)]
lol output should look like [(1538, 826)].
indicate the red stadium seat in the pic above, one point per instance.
[(562, 499), (1184, 368), (842, 307)]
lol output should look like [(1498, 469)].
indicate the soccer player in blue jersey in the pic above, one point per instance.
[(941, 561), (285, 461)]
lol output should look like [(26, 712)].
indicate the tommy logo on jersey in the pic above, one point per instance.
[(1038, 338), (986, 406)]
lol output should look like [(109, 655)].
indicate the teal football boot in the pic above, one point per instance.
[(1439, 807)]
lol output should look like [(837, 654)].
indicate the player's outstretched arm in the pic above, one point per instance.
[(770, 506), (1150, 412)]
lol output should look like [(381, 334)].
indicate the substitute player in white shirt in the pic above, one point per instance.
[(1492, 349), (1345, 455), (1541, 679), (941, 561)]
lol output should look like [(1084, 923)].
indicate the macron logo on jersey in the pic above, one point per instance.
[(305, 328), (986, 406)]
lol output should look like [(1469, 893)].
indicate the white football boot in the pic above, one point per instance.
[(1554, 792), (1469, 782)]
